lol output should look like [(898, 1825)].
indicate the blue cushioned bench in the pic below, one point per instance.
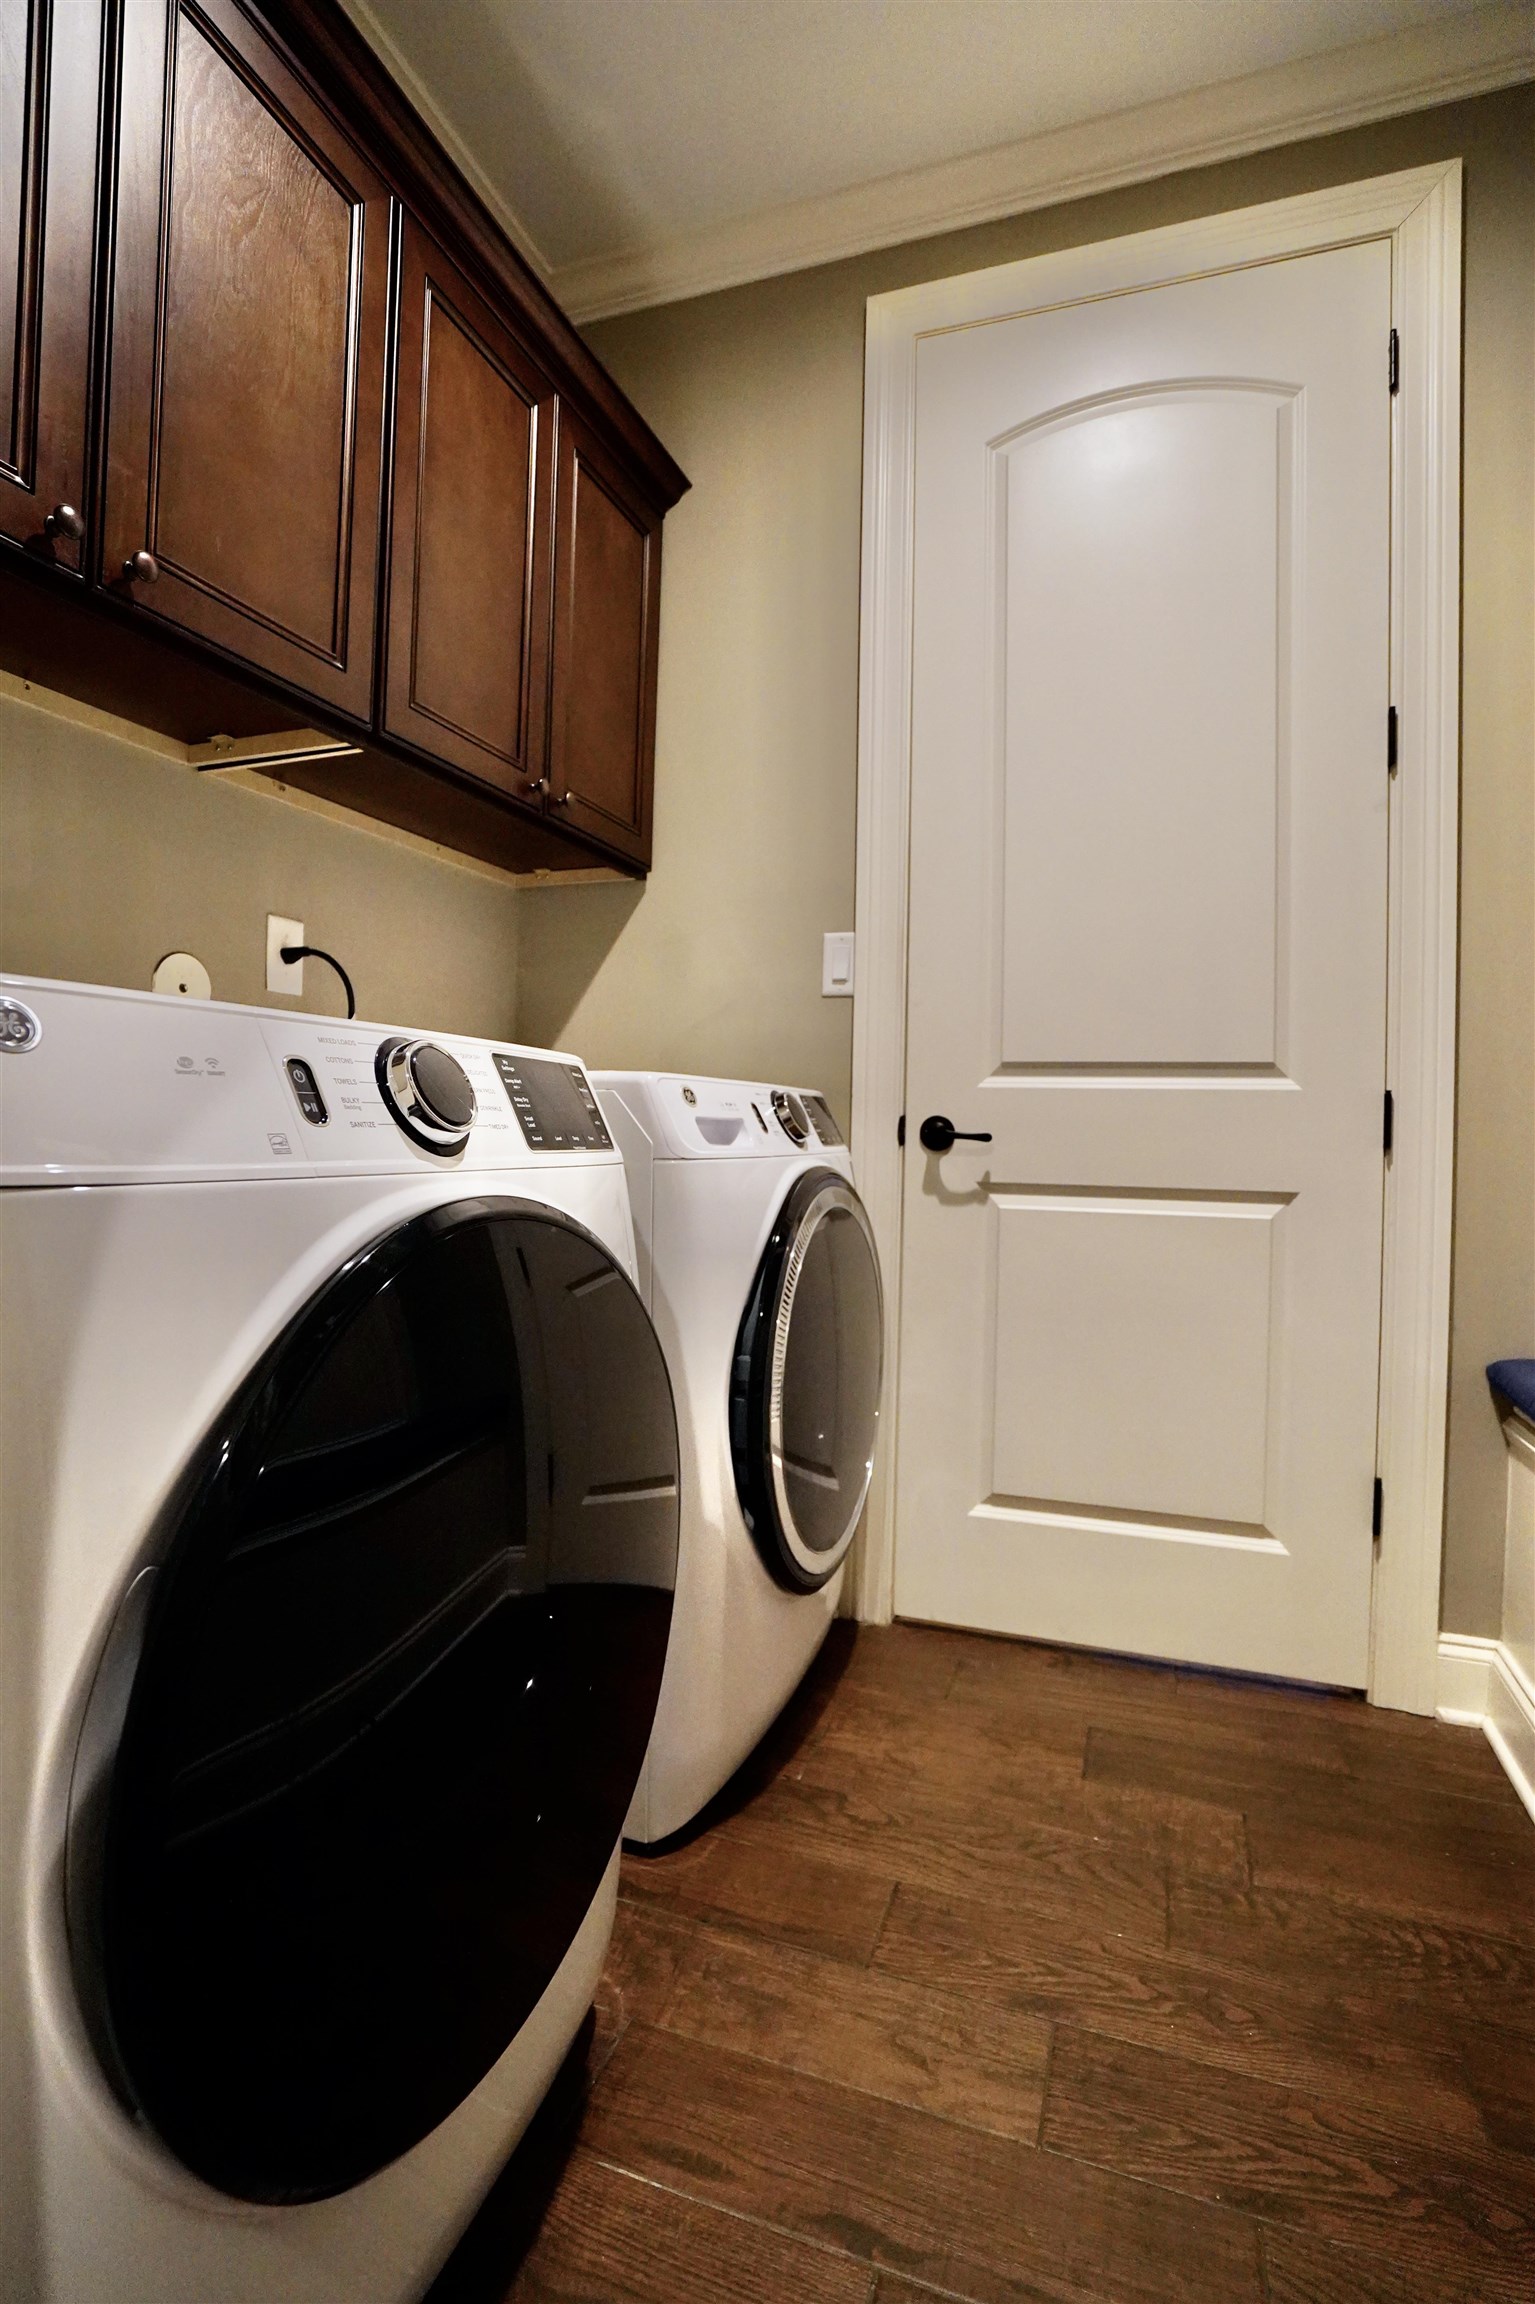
[(1514, 1381)]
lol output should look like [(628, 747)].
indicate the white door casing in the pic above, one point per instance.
[(1183, 1151)]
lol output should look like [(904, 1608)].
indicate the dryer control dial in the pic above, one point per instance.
[(429, 1093)]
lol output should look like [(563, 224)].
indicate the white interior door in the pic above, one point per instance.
[(1147, 953)]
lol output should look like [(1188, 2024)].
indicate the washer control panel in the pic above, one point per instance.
[(102, 1085), (820, 1117), (553, 1102), (307, 1089)]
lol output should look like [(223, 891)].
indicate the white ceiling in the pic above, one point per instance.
[(599, 128)]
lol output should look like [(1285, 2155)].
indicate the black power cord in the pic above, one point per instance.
[(292, 952)]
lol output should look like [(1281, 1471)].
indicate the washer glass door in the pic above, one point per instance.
[(806, 1381), (406, 1623)]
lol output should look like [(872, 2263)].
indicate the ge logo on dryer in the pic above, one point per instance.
[(21, 1027)]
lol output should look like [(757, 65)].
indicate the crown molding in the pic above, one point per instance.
[(1464, 55), (415, 89)]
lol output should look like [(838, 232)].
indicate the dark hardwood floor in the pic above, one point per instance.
[(1005, 1973)]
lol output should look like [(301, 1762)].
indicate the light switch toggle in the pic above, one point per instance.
[(837, 965)]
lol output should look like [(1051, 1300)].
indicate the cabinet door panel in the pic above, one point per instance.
[(50, 53), (248, 353), (23, 96), (469, 604), (607, 596)]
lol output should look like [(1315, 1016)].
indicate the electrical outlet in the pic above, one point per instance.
[(282, 975)]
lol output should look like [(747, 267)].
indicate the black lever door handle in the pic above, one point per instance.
[(936, 1134)]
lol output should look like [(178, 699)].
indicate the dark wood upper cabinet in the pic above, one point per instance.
[(468, 617), (50, 75), (249, 316), (607, 597), (322, 447)]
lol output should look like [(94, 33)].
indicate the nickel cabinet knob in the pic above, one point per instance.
[(64, 520), (142, 568)]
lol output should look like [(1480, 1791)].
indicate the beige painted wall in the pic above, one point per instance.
[(113, 854), (716, 963)]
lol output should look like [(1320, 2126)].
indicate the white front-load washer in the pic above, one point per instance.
[(758, 1264), (337, 1542)]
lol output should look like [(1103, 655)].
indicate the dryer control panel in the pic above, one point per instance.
[(702, 1119)]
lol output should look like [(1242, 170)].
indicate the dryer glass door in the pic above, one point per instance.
[(805, 1392), (405, 1630)]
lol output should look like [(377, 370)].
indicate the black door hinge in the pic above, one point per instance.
[(1396, 361), (900, 1130), (1391, 738), (1388, 1123), (1378, 1507)]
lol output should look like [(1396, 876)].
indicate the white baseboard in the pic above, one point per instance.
[(1481, 1685), (1465, 1679)]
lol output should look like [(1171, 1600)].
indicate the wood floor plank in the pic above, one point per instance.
[(1439, 1969), (1009, 1672), (957, 1774), (1205, 1688), (1444, 1873), (610, 2238), (892, 2288), (1207, 1845), (875, 1724), (977, 2216), (647, 1948), (797, 1895), (901, 1831), (1286, 2031), (1304, 1717), (1301, 2270), (1050, 1697), (1349, 1738), (1408, 1846), (1321, 2164), (1358, 1794), (916, 2044), (1500, 2074), (916, 1660)]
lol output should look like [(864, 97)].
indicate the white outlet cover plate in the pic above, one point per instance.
[(837, 964), (184, 973), (283, 975)]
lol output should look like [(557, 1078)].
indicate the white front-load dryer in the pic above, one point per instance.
[(337, 1543), (758, 1264)]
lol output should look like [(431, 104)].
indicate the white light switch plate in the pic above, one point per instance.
[(837, 965), (283, 975)]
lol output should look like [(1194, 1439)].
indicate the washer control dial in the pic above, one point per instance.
[(791, 1116), (429, 1093)]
